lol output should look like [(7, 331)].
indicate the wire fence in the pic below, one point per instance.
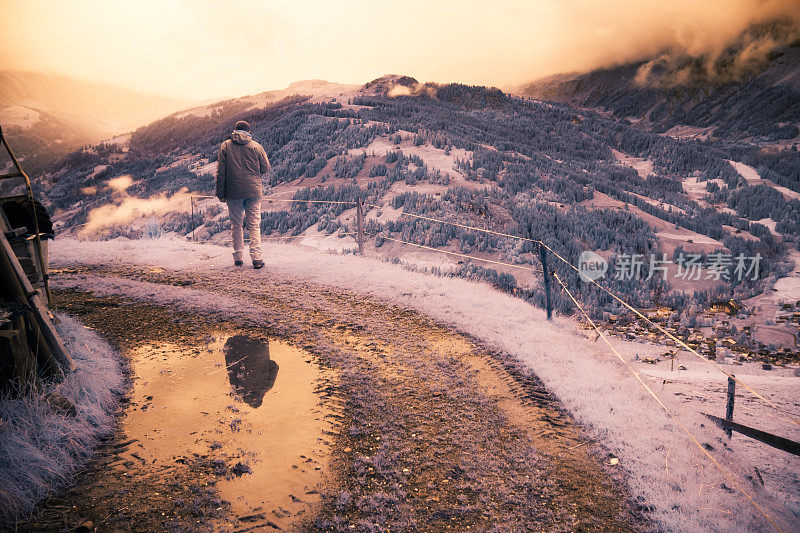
[(567, 263), (547, 272), (388, 238), (447, 252), (666, 409)]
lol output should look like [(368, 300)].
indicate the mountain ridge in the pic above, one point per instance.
[(764, 107)]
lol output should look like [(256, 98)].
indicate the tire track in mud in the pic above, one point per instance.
[(436, 432)]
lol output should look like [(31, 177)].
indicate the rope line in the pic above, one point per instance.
[(303, 236), (666, 409), (679, 341), (500, 234), (456, 254), (623, 302), (288, 200)]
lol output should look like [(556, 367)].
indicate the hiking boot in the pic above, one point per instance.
[(238, 263), (258, 263)]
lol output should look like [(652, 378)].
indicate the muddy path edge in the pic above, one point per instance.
[(561, 440)]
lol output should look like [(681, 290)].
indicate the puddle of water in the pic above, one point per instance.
[(246, 400)]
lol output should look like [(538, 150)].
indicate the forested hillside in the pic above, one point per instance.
[(570, 177)]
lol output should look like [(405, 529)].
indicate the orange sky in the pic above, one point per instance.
[(202, 49)]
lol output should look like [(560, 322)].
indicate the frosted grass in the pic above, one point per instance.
[(40, 449)]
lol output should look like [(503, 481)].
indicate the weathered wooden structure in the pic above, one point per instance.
[(30, 346)]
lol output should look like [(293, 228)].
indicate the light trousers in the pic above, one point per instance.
[(245, 211)]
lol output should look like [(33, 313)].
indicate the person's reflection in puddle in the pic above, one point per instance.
[(250, 370)]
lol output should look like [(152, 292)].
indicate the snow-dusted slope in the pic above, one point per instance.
[(662, 466)]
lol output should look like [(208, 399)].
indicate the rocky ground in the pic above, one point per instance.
[(433, 431)]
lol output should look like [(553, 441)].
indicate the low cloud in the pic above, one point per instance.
[(120, 184), (745, 56), (416, 89), (127, 209), (399, 90)]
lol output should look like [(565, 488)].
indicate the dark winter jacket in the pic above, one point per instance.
[(240, 165)]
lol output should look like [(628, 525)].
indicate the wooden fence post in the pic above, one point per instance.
[(192, 200), (546, 276), (729, 406), (360, 224)]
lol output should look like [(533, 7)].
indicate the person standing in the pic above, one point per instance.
[(240, 165)]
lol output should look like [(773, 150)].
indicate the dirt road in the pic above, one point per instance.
[(418, 427)]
